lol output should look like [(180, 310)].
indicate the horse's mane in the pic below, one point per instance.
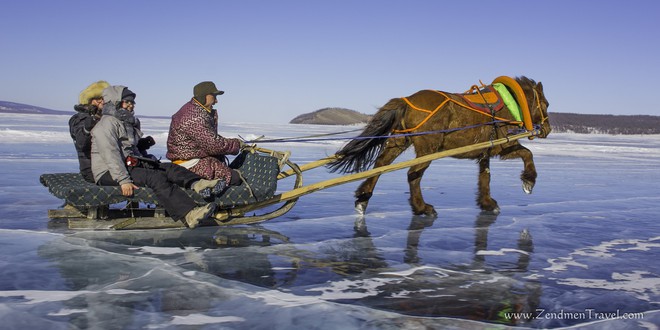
[(525, 82)]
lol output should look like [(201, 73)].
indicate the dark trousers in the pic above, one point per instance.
[(166, 182)]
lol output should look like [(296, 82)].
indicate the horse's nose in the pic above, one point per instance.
[(545, 130)]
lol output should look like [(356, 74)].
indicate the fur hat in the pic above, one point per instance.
[(95, 90)]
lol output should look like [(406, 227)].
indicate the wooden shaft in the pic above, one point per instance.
[(295, 193), (308, 166)]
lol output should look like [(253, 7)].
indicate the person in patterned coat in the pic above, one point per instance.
[(194, 142)]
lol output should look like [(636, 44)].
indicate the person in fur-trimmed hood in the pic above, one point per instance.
[(193, 141), (88, 113)]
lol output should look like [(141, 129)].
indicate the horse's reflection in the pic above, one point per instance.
[(417, 225), (482, 225), (476, 290), (525, 246)]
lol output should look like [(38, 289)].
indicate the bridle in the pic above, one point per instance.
[(537, 100)]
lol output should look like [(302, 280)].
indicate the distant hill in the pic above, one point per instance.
[(332, 116), (11, 107), (604, 124), (561, 122)]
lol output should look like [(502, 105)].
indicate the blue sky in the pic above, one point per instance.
[(279, 59)]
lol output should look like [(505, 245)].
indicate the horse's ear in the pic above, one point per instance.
[(540, 87)]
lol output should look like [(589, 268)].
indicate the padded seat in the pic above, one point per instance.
[(259, 172)]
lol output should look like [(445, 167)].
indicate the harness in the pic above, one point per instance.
[(487, 100)]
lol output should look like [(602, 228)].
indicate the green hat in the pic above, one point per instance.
[(205, 88)]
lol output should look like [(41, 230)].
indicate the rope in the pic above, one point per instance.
[(448, 99), (301, 137), (493, 132), (450, 130)]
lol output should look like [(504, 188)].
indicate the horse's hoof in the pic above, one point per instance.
[(428, 211), (527, 186), (493, 211), (360, 227), (488, 205)]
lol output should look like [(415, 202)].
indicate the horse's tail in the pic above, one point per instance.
[(360, 153)]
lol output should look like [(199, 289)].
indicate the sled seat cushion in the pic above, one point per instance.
[(75, 191), (259, 172)]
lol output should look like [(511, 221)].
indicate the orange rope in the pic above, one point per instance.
[(448, 99)]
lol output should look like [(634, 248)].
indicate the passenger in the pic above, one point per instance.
[(116, 161), (88, 113), (194, 142)]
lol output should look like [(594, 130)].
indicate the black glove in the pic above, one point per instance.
[(95, 111), (145, 143), (89, 123)]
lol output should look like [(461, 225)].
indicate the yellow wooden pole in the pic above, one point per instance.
[(307, 166), (295, 193)]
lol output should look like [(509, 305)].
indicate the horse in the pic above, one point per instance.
[(433, 121)]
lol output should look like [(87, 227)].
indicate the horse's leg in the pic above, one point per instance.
[(393, 148), (424, 145), (419, 206), (528, 175), (484, 200)]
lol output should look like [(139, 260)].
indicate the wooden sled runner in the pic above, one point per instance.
[(87, 206)]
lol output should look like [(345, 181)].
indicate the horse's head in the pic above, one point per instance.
[(539, 111), (538, 105)]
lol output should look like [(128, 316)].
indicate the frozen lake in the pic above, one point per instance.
[(580, 252)]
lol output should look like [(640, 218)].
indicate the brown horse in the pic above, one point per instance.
[(450, 123)]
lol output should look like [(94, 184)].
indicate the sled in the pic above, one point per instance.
[(88, 206)]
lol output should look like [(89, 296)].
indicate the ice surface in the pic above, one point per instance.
[(583, 246)]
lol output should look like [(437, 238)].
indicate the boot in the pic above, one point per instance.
[(202, 184), (198, 214), (208, 188)]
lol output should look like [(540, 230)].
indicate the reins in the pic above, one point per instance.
[(296, 139), (307, 139), (544, 118)]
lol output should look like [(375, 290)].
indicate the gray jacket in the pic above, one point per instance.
[(114, 138)]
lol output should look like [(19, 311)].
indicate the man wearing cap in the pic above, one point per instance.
[(194, 142), (88, 113)]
